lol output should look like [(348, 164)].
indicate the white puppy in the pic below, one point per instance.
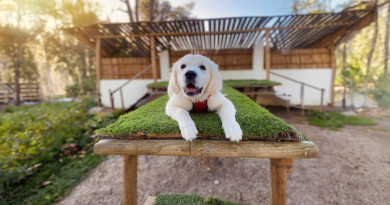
[(195, 84)]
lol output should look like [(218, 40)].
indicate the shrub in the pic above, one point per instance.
[(381, 92), (31, 139)]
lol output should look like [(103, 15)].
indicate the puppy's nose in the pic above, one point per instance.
[(191, 74)]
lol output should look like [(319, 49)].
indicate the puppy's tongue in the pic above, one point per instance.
[(190, 89)]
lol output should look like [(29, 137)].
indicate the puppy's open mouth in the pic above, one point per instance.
[(192, 90)]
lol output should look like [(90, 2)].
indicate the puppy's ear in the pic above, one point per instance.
[(215, 84), (173, 81)]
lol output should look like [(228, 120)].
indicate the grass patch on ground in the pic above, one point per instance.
[(336, 120), (228, 83), (255, 121), (377, 129), (194, 199)]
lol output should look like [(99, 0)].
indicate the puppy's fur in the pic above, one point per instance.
[(186, 88)]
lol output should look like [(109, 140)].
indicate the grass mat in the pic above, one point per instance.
[(255, 121), (194, 199)]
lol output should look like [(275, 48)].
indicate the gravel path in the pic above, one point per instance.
[(354, 168)]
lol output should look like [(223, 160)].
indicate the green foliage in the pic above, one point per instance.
[(354, 77), (381, 92), (179, 199), (255, 121), (336, 120), (310, 6), (62, 172), (194, 199), (73, 90), (85, 88), (217, 201), (33, 135)]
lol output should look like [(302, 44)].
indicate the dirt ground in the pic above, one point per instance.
[(354, 168)]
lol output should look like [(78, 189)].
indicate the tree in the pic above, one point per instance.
[(369, 58), (310, 6), (386, 44), (162, 10)]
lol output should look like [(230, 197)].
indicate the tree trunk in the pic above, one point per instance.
[(369, 58), (136, 11), (387, 41), (129, 11), (151, 10), (18, 55), (48, 78), (344, 69)]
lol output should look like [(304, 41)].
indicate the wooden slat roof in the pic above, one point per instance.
[(286, 32)]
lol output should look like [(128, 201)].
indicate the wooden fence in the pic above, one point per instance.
[(28, 92), (234, 59), (126, 68), (301, 58)]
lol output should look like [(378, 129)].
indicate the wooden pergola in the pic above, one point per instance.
[(277, 33)]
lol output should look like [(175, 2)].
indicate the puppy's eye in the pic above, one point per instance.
[(202, 67), (183, 66)]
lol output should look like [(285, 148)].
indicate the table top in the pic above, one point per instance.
[(208, 148)]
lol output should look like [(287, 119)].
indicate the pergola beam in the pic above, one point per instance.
[(227, 32)]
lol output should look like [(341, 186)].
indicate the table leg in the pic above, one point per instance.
[(130, 179), (279, 169)]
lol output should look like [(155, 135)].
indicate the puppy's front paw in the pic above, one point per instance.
[(232, 131), (188, 131)]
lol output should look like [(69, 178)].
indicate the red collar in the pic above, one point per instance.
[(200, 106)]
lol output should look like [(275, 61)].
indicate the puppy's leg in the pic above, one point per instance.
[(187, 126), (232, 129)]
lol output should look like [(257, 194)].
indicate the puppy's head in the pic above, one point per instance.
[(195, 75)]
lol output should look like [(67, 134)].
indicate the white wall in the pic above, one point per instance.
[(164, 65), (132, 92), (136, 89), (321, 78)]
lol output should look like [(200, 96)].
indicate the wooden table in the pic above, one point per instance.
[(281, 155)]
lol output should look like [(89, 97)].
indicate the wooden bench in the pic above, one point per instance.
[(149, 131)]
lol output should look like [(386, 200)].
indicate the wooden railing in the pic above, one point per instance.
[(120, 88), (302, 90)]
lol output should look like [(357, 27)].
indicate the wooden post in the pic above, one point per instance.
[(97, 59), (123, 104), (130, 179), (153, 56), (302, 93), (333, 63), (267, 54), (322, 100), (111, 99), (279, 169)]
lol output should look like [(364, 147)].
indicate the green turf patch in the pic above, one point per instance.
[(228, 83), (255, 121), (194, 199), (336, 120), (179, 199), (377, 129)]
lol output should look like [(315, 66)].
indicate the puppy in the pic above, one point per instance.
[(194, 85)]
